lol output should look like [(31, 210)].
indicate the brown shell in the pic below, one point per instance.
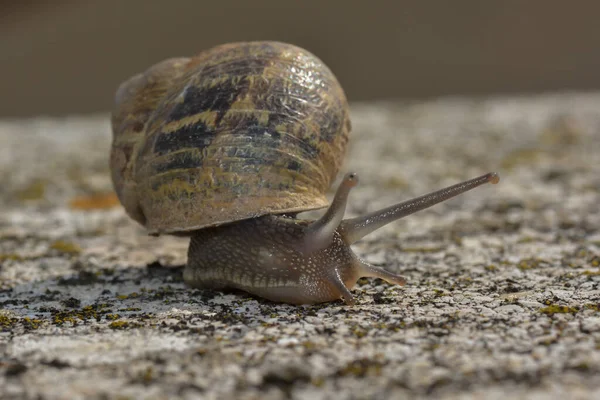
[(239, 131)]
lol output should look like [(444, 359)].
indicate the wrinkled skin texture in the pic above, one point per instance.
[(259, 257)]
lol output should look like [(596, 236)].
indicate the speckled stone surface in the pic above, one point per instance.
[(502, 299)]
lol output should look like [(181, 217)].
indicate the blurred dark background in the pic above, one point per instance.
[(64, 57)]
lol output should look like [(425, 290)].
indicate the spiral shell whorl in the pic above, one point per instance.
[(243, 130)]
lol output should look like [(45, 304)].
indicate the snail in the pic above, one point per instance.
[(227, 147)]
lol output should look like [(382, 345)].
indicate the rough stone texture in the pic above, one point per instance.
[(502, 297)]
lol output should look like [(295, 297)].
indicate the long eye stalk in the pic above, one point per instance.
[(320, 233), (355, 229)]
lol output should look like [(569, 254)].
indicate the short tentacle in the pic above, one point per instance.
[(355, 229), (365, 269), (319, 233), (338, 284)]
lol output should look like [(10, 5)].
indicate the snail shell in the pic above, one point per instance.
[(239, 131), (229, 140)]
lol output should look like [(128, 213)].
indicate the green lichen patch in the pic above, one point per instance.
[(362, 281), (131, 295), (362, 368), (582, 257), (9, 322), (145, 377), (119, 325), (123, 325), (81, 315), (11, 257), (360, 332), (556, 309), (31, 323), (65, 247), (532, 263), (440, 293)]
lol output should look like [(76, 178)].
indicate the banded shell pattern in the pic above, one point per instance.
[(241, 130)]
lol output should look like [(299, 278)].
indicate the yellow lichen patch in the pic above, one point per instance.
[(11, 257), (119, 325), (362, 368), (530, 263), (590, 273), (98, 201), (132, 295), (94, 311), (556, 309), (147, 376), (359, 332), (362, 281), (6, 320), (318, 381), (34, 191), (32, 323), (65, 247)]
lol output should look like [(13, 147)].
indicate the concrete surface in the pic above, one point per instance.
[(502, 297)]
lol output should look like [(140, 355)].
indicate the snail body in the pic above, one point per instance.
[(227, 147)]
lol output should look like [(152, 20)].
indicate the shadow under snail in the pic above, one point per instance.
[(227, 147)]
